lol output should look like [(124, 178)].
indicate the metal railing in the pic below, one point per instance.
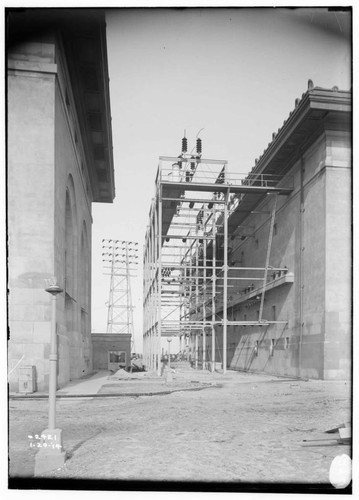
[(204, 171)]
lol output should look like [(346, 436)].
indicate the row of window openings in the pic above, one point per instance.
[(274, 314), (272, 346), (256, 242)]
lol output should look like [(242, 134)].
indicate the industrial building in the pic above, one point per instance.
[(59, 148), (111, 351), (252, 271)]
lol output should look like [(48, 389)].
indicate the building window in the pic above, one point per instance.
[(70, 247), (256, 244), (272, 343), (83, 324), (275, 229), (286, 343), (274, 313), (85, 269), (256, 347)]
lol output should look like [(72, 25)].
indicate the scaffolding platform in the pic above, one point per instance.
[(188, 282)]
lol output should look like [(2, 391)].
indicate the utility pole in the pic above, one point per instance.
[(120, 258)]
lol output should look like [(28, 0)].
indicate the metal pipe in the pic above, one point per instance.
[(225, 283), (196, 351), (54, 290), (204, 302), (204, 349), (301, 267), (159, 279), (169, 352), (268, 256), (213, 361)]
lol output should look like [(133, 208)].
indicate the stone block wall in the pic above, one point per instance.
[(49, 217), (31, 119)]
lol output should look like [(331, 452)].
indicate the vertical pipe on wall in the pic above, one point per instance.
[(204, 347), (301, 270), (225, 280), (213, 361), (197, 270), (204, 292), (150, 294), (146, 301), (159, 279), (156, 280), (196, 350)]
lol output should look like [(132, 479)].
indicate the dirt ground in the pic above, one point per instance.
[(235, 429)]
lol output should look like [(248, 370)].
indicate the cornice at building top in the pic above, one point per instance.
[(81, 35), (314, 111), (317, 112), (86, 51)]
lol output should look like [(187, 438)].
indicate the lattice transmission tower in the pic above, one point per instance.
[(120, 258)]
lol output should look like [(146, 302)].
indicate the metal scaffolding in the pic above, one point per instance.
[(188, 279), (121, 259)]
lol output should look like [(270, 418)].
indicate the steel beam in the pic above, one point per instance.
[(268, 256), (225, 282)]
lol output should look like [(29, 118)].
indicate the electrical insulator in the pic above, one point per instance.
[(199, 146), (184, 145)]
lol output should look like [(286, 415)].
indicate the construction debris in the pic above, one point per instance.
[(341, 435)]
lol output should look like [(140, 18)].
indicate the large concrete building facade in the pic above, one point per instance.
[(59, 162), (312, 301), (254, 269)]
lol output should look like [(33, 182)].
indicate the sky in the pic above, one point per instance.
[(235, 73)]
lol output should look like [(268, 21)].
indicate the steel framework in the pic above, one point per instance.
[(187, 276), (121, 259)]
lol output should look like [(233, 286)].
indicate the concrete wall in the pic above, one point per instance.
[(250, 347), (49, 212), (311, 254), (338, 296), (31, 184), (313, 240), (103, 343)]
